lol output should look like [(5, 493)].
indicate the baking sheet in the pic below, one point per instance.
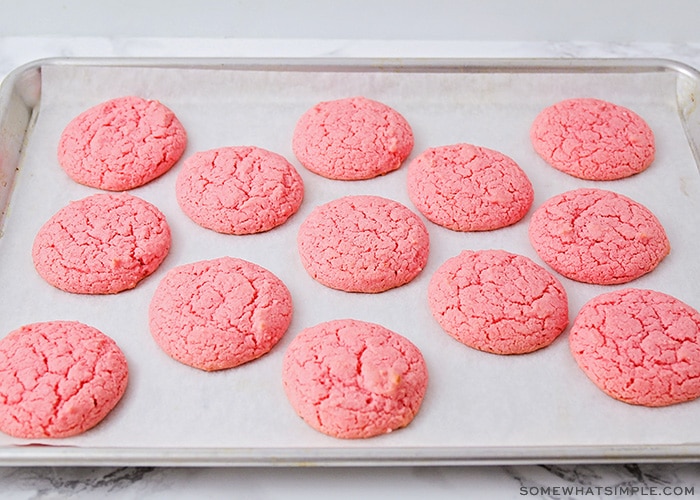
[(478, 406)]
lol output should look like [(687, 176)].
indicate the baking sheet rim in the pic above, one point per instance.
[(33, 455), (23, 82)]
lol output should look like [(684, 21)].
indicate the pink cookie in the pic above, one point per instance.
[(597, 236), (593, 139), (58, 379), (351, 379), (219, 313), (351, 139), (469, 188), (105, 243), (121, 144), (363, 244), (239, 190), (498, 302), (639, 346)]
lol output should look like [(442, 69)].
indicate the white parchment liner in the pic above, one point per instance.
[(474, 399)]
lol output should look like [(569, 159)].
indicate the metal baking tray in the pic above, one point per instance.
[(480, 408)]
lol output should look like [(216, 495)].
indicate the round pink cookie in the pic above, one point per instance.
[(639, 346), (239, 190), (469, 188), (105, 243), (58, 379), (363, 244), (593, 139), (351, 379), (351, 139), (220, 313), (597, 236), (498, 302), (121, 144)]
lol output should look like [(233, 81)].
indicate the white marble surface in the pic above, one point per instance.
[(516, 481), (618, 21)]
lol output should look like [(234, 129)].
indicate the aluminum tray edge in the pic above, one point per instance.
[(20, 94), (63, 456)]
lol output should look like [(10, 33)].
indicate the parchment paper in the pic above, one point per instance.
[(474, 399)]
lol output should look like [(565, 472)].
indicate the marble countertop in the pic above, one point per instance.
[(511, 481)]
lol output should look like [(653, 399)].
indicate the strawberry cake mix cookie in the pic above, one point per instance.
[(121, 144), (498, 302), (352, 379), (469, 188), (639, 346), (238, 190), (593, 139), (598, 236), (58, 379), (102, 244), (353, 138), (363, 244), (218, 314)]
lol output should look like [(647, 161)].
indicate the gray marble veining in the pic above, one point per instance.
[(531, 481)]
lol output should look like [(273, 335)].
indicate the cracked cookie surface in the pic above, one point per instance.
[(639, 346), (353, 379), (363, 244), (498, 302), (598, 236), (105, 243), (58, 379), (121, 144), (351, 139), (238, 190), (469, 188), (218, 314), (593, 139)]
